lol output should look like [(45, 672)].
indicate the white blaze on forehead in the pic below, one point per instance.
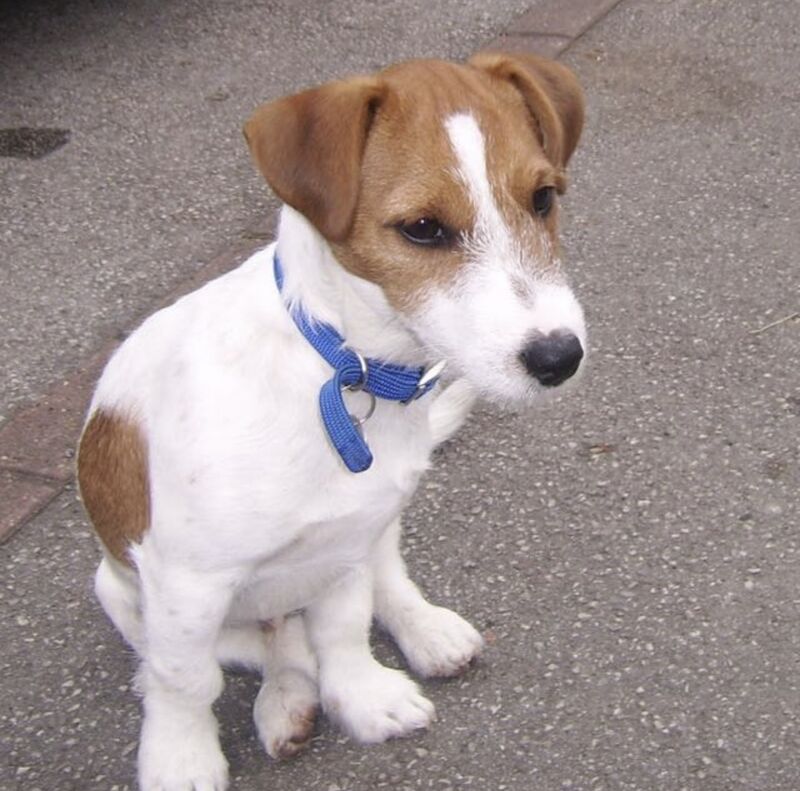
[(487, 306), (492, 238), (469, 146)]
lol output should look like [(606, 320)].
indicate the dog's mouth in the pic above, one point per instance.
[(511, 351), (525, 378)]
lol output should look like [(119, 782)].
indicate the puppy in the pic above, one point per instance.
[(248, 450)]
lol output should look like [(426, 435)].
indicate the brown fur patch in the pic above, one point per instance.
[(309, 147), (551, 92), (360, 157), (409, 171), (113, 480)]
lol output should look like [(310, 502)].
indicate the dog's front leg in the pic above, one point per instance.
[(435, 641), (371, 702), (180, 679)]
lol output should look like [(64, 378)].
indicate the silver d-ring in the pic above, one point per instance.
[(359, 421), (354, 388), (427, 381)]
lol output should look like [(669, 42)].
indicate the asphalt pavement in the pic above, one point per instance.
[(630, 552)]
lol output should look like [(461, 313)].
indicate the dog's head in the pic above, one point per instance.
[(439, 183)]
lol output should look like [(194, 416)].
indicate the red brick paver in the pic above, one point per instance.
[(21, 498), (567, 18), (548, 27)]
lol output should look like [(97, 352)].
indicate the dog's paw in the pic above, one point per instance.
[(437, 642), (186, 757), (284, 712), (374, 703)]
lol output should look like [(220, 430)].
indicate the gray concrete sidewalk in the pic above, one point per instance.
[(631, 553)]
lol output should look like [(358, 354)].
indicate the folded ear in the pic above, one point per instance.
[(309, 149), (551, 92)]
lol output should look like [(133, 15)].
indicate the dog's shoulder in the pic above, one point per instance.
[(225, 319)]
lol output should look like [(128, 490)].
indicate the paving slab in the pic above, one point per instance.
[(551, 46), (630, 552), (22, 496), (561, 17)]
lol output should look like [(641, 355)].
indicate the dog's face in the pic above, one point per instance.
[(439, 184)]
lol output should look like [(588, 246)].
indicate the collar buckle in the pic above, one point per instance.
[(427, 381)]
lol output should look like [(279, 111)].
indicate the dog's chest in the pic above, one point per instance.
[(331, 522), (325, 503), (278, 486)]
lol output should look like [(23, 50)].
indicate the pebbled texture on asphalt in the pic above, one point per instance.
[(631, 552)]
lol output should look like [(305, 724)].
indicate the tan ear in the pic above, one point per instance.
[(551, 92), (309, 149)]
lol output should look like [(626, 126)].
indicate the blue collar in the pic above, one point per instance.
[(354, 372)]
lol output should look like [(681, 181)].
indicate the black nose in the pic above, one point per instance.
[(553, 358)]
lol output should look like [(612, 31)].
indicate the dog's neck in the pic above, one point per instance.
[(358, 309)]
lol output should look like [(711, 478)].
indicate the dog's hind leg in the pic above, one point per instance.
[(117, 590), (286, 706), (242, 646), (434, 640)]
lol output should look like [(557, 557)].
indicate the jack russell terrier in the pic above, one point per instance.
[(248, 450)]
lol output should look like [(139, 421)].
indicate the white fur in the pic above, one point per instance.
[(504, 295), (254, 518)]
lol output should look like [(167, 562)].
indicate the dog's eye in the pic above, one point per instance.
[(543, 201), (426, 230)]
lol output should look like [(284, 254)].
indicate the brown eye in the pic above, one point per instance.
[(543, 201), (426, 230)]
